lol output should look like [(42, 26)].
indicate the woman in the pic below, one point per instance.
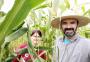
[(36, 41)]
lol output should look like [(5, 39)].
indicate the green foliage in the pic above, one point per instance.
[(16, 16), (2, 13), (1, 3), (67, 3), (14, 36), (41, 17), (14, 21)]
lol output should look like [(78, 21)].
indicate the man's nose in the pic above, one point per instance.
[(68, 26)]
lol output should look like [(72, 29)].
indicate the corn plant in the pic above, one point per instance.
[(15, 19)]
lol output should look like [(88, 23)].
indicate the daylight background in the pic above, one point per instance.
[(17, 17)]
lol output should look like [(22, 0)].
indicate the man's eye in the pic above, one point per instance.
[(64, 23), (72, 22)]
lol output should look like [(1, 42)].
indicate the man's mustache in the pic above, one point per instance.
[(69, 29)]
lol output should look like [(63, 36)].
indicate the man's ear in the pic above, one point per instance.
[(77, 23)]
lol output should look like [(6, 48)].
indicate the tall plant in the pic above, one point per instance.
[(15, 18)]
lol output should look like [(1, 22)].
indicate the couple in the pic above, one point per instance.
[(71, 47)]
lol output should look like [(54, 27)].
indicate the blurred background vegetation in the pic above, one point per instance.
[(38, 15)]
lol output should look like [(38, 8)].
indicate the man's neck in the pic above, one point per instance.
[(72, 38)]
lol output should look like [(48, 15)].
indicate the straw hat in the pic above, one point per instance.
[(81, 19)]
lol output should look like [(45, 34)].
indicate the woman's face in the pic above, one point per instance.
[(35, 38)]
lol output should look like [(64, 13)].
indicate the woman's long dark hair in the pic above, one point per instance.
[(36, 31)]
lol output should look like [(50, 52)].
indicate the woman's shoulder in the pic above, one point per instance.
[(24, 45)]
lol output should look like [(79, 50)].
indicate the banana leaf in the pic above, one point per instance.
[(16, 16), (14, 36)]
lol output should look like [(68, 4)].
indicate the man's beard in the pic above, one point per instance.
[(69, 32)]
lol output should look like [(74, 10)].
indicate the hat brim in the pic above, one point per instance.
[(81, 19)]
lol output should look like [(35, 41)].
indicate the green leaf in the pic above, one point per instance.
[(83, 8), (2, 13), (67, 3), (14, 36), (62, 6), (87, 12), (25, 50), (42, 6), (9, 59), (1, 3), (16, 16)]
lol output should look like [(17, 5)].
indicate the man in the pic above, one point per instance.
[(71, 47)]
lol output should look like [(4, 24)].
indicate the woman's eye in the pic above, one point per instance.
[(36, 36)]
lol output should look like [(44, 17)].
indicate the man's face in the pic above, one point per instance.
[(69, 27)]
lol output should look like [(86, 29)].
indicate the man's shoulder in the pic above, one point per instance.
[(85, 40), (58, 39)]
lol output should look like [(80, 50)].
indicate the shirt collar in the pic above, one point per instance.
[(76, 38)]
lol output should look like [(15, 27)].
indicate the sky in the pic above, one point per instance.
[(7, 5)]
